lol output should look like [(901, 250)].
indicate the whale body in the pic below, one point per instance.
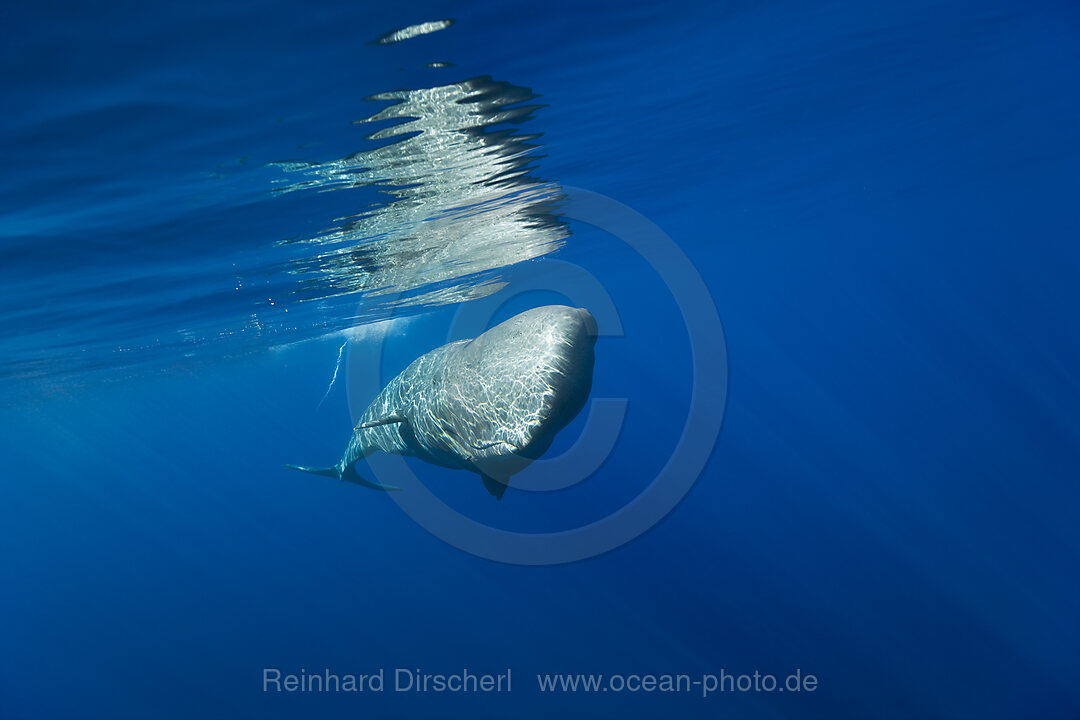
[(491, 404)]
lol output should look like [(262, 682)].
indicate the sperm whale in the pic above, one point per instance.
[(491, 404)]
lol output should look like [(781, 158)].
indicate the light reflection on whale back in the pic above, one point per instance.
[(461, 201)]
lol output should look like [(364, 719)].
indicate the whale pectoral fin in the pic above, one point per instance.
[(485, 446), (495, 487), (381, 421)]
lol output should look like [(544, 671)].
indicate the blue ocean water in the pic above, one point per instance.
[(200, 206)]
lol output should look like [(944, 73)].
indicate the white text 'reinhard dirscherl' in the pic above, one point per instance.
[(382, 679)]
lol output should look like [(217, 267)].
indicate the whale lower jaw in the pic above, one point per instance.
[(501, 467)]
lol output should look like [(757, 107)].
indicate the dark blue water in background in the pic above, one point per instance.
[(881, 199)]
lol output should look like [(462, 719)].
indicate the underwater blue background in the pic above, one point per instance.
[(882, 199)]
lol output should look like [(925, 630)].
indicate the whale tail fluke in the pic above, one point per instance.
[(346, 474), (326, 471)]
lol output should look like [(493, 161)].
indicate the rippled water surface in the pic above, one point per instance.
[(238, 254)]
